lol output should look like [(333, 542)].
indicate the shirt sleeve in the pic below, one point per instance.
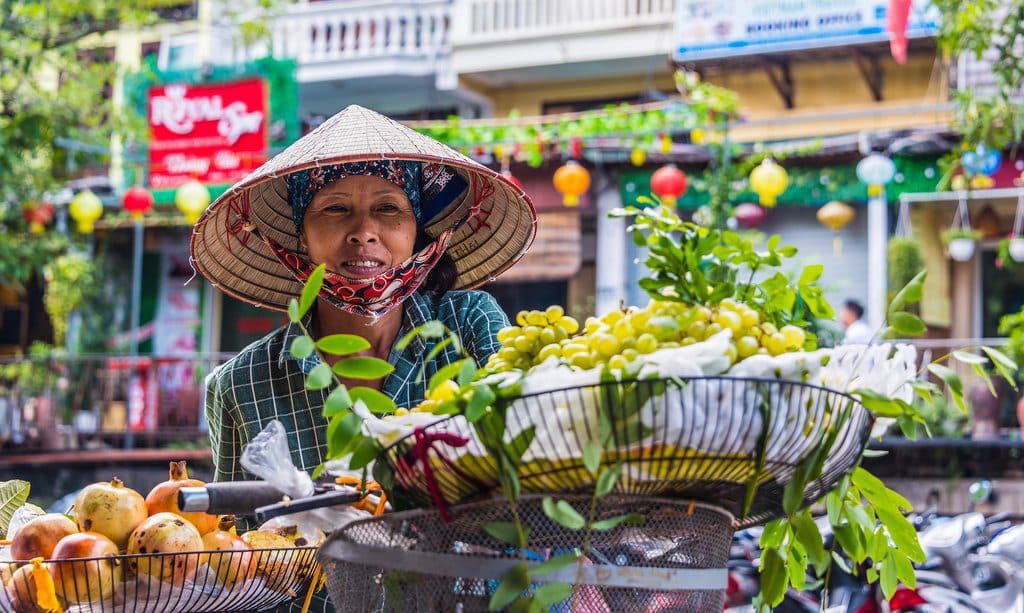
[(483, 319), (223, 431)]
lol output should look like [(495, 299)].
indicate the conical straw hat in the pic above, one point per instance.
[(241, 265)]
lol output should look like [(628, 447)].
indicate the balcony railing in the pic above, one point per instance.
[(502, 20), (103, 402), (346, 30)]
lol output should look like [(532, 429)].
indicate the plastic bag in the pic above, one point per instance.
[(267, 456), (21, 516)]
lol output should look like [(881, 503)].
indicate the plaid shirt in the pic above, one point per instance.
[(264, 382)]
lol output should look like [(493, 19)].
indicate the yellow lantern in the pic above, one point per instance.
[(572, 181), (836, 215), (638, 156), (192, 198), (85, 209), (768, 181)]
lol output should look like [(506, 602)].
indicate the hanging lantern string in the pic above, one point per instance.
[(903, 228), (962, 220), (1018, 219)]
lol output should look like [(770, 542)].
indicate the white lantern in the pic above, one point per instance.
[(1016, 249), (876, 170)]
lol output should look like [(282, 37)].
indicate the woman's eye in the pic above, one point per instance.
[(387, 208), (336, 208)]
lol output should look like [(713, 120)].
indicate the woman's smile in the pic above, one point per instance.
[(361, 267)]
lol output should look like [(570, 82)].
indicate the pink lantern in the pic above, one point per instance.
[(750, 215)]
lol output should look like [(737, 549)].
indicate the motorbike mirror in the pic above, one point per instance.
[(980, 491)]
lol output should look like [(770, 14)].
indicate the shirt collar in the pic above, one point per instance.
[(416, 312)]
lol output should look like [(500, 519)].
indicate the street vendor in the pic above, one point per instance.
[(406, 227)]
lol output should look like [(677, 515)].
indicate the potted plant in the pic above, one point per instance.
[(1011, 250), (905, 261), (1012, 326), (961, 243)]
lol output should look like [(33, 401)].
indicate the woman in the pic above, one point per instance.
[(405, 225)]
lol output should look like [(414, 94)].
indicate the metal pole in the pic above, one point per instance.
[(878, 240), (134, 325)]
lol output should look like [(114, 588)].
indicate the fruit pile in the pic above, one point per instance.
[(109, 519), (619, 337)]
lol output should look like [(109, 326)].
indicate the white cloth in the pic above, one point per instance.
[(859, 333)]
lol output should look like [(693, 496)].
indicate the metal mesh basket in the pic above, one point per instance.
[(413, 561), (706, 438), (193, 582)]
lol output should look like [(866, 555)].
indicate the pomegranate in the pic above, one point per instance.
[(38, 537), (166, 533), (30, 590), (164, 498), (82, 582), (235, 565), (111, 509)]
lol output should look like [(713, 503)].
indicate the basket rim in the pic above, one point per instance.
[(446, 418), (164, 554)]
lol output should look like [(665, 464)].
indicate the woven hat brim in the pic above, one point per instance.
[(241, 265)]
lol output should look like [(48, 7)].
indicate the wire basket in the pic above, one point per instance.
[(413, 561), (193, 582), (704, 438)]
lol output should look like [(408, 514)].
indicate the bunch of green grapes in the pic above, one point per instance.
[(535, 338), (619, 337)]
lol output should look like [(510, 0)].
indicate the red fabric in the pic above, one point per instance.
[(898, 14)]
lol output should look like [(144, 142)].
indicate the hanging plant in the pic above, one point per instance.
[(961, 243), (70, 284), (904, 262)]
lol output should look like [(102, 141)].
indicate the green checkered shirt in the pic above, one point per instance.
[(264, 382)]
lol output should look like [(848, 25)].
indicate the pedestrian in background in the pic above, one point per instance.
[(851, 316)]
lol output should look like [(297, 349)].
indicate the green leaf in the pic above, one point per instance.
[(311, 289), (506, 532), (969, 358), (879, 404), (551, 594), (337, 401), (774, 533), (13, 494), (952, 381), (293, 311), (907, 324), (320, 377), (342, 344), (562, 513), (363, 368), (375, 401), (302, 347), (607, 479), (518, 446), (910, 293), (982, 374), (430, 330), (904, 569), (809, 536), (467, 372), (810, 274), (553, 564), (1004, 365), (319, 470), (796, 566), (773, 577), (592, 456), (632, 519), (923, 389), (483, 397), (340, 432), (514, 583), (887, 577), (446, 372), (363, 454)]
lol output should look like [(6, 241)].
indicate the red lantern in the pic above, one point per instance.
[(137, 201), (750, 215), (511, 179), (38, 215), (668, 183), (576, 147)]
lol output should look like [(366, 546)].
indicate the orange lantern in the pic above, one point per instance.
[(668, 183), (38, 215), (572, 181), (768, 180)]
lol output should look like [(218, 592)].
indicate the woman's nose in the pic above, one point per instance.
[(364, 231)]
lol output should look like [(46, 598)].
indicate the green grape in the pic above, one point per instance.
[(536, 318), (507, 334), (646, 343), (582, 360), (750, 317), (730, 320), (611, 317), (689, 340), (532, 333), (794, 336), (554, 313), (747, 346), (509, 354), (630, 354), (702, 314), (606, 344), (573, 349), (569, 324), (639, 320), (623, 329), (591, 324), (776, 344), (731, 352), (521, 318), (548, 351), (697, 330), (523, 344), (712, 330), (728, 303), (768, 328), (617, 362), (755, 332), (547, 336), (561, 333)]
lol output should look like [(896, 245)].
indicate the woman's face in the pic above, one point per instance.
[(359, 226)]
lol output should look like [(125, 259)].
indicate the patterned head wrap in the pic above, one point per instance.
[(429, 187)]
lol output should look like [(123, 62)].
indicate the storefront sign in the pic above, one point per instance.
[(707, 29), (216, 133)]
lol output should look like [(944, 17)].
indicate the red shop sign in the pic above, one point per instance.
[(214, 133)]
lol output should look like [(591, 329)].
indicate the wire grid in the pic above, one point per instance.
[(249, 580), (673, 535), (703, 438)]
